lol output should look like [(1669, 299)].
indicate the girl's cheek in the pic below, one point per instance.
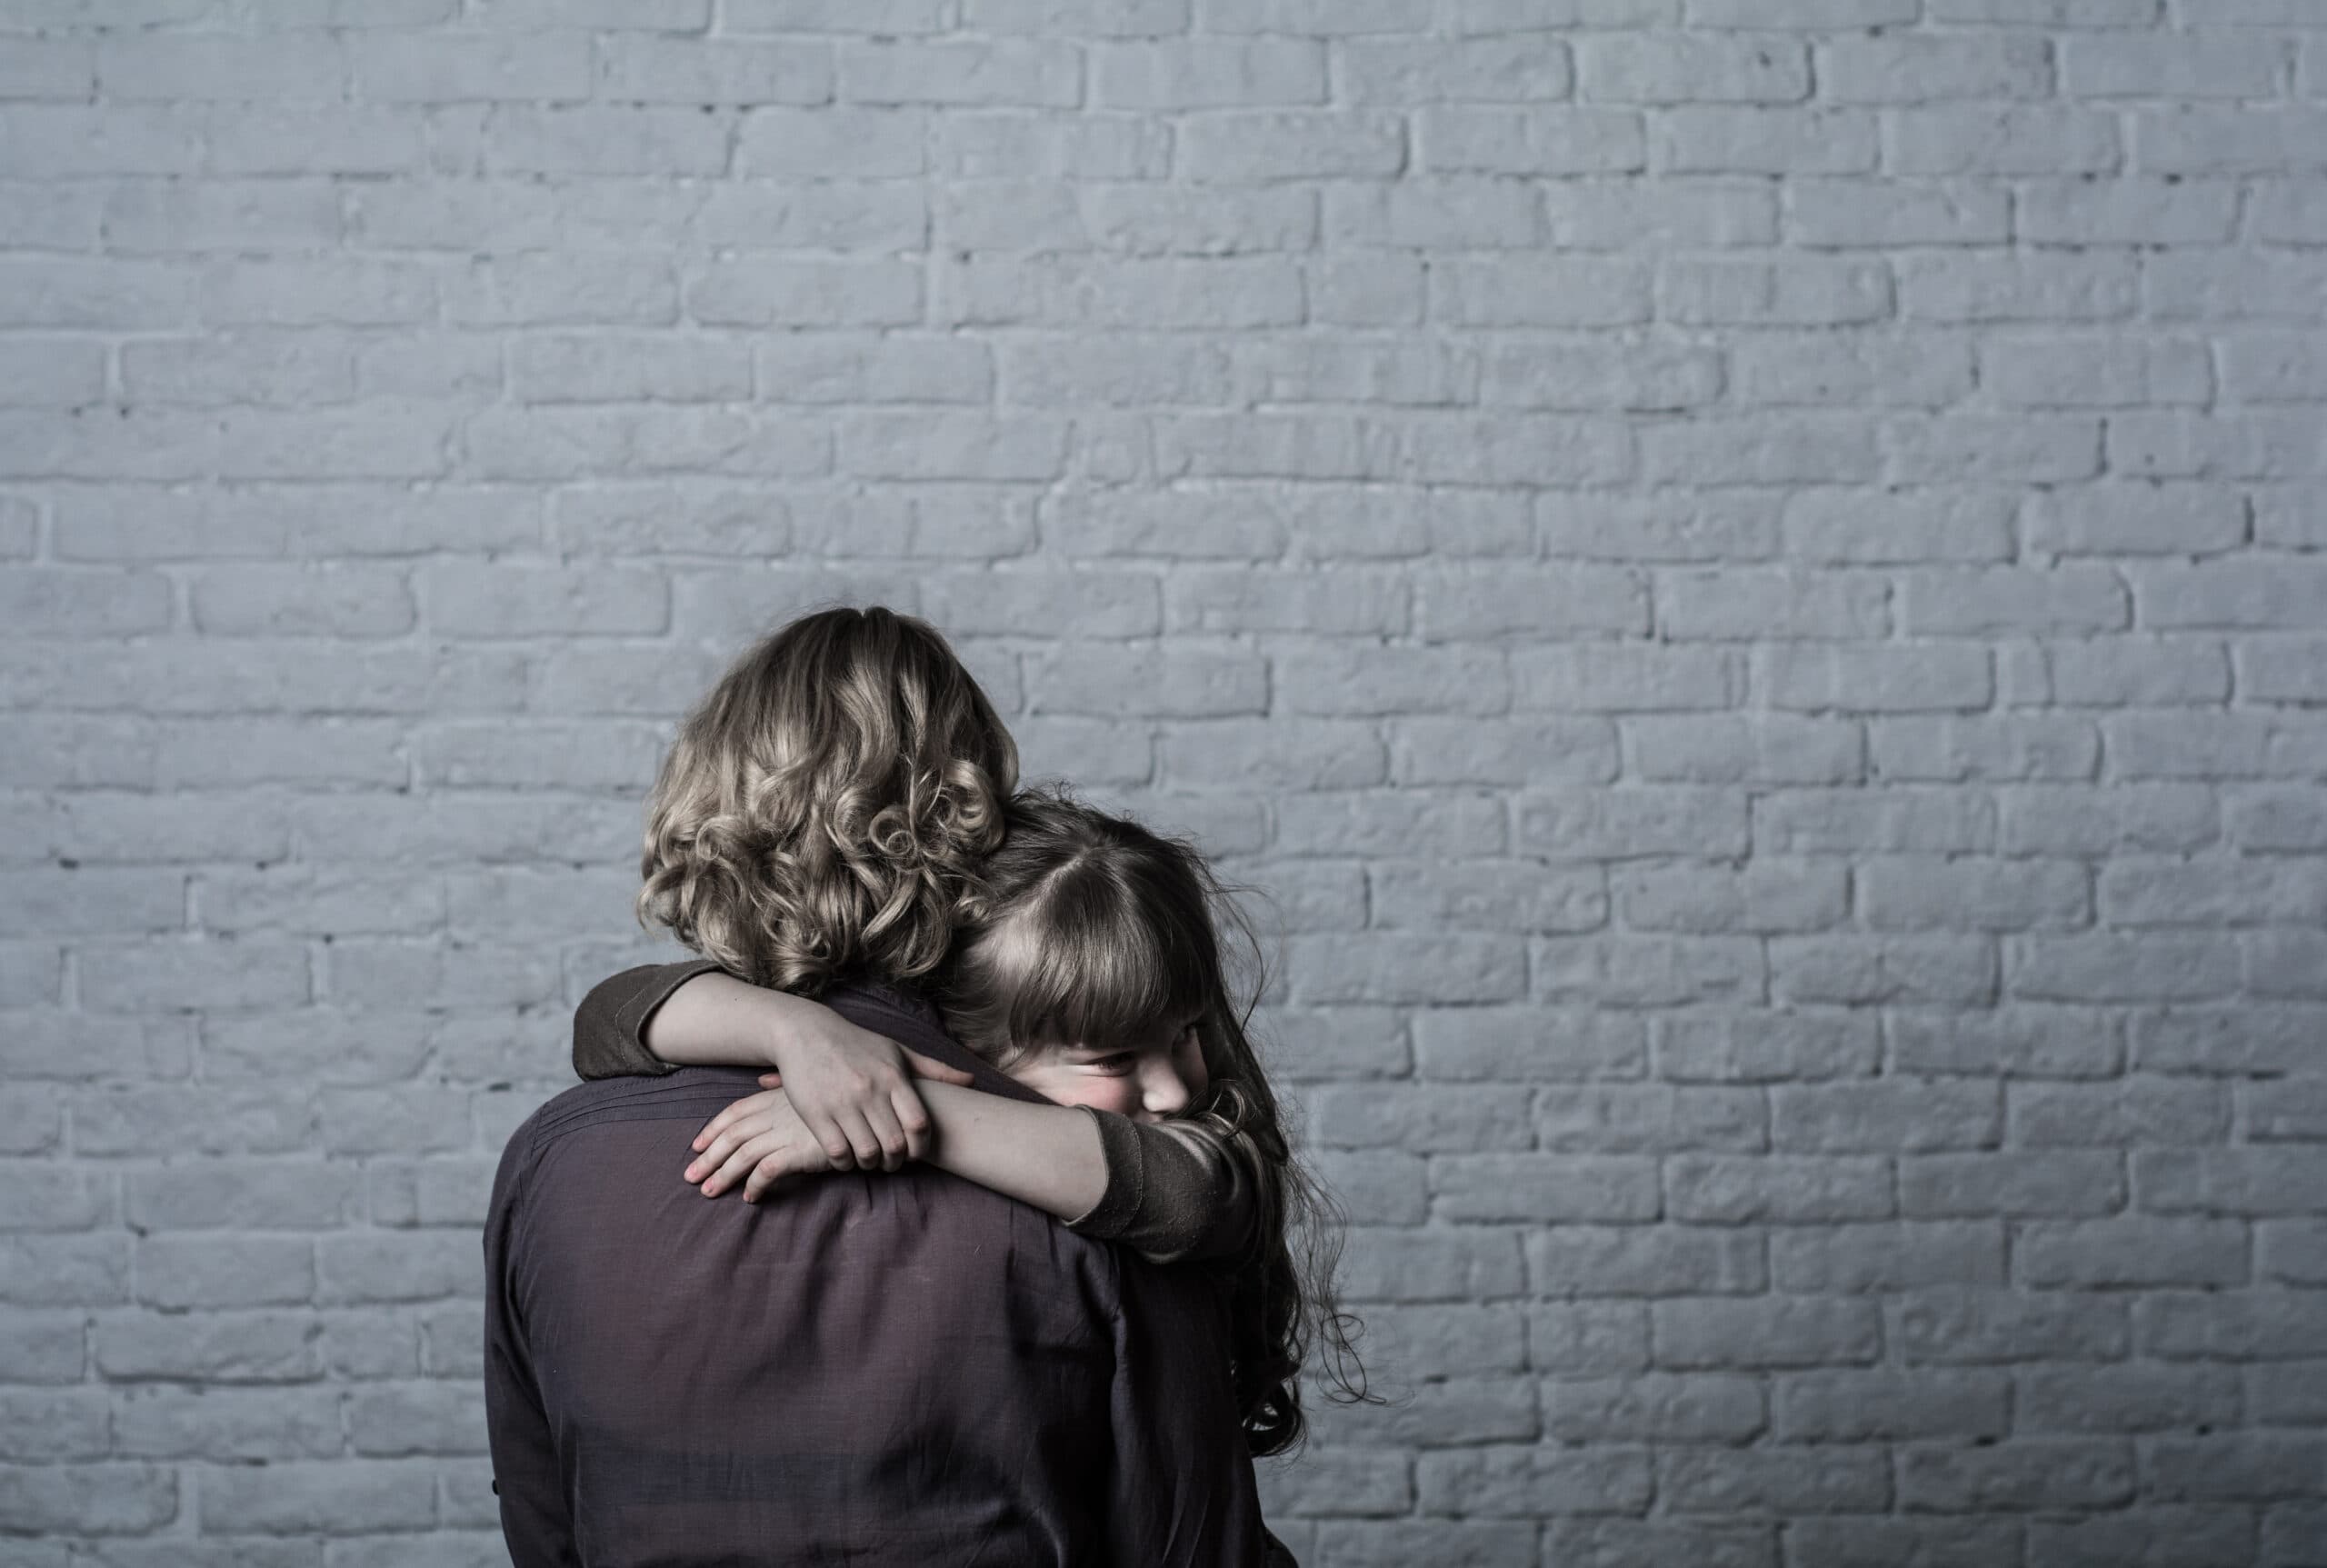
[(1120, 1095)]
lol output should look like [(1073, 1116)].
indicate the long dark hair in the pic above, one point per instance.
[(1091, 927)]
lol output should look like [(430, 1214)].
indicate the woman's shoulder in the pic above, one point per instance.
[(909, 1000)]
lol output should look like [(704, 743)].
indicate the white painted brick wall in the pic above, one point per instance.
[(1751, 574)]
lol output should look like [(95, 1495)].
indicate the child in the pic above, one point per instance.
[(832, 812)]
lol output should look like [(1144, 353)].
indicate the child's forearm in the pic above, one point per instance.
[(1046, 1156), (718, 1020)]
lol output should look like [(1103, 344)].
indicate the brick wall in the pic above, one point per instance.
[(1751, 573)]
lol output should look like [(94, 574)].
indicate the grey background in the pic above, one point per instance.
[(1749, 570)]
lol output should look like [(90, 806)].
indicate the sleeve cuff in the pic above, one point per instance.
[(1126, 1159), (640, 1006)]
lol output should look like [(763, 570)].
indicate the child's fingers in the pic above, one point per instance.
[(882, 1117), (930, 1067), (716, 1151), (772, 1170), (862, 1139), (727, 1115), (739, 1163), (913, 1118), (832, 1138)]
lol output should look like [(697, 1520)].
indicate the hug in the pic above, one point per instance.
[(1007, 1256)]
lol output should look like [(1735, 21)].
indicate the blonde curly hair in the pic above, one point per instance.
[(824, 810)]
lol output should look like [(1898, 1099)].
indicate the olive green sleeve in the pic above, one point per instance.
[(610, 1025), (1177, 1190)]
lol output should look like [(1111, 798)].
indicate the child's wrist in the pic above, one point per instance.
[(776, 1020)]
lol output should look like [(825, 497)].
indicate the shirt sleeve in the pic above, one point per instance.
[(526, 1476), (1176, 1191), (1181, 1492), (610, 1025)]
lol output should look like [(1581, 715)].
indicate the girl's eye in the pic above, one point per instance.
[(1123, 1062)]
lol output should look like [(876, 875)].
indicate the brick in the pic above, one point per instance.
[(1728, 749), (1207, 74), (1856, 1259), (303, 1497), (828, 143), (1403, 1264), (1604, 677), (1298, 755), (2127, 1251), (1678, 68), (2100, 1115), (1627, 821), (1539, 752), (241, 1424), (104, 1498), (56, 373), (1777, 1331), (1966, 1325), (2056, 1473), (1352, 821), (249, 1347), (1504, 1481), (2012, 1184), (1903, 893), (1766, 1047), (1889, 677), (1446, 968), (204, 1271), (1545, 139), (295, 66), (1234, 146), (2247, 593), (1731, 606), (1486, 897), (1768, 896), (604, 141), (653, 69), (392, 67), (1914, 1117), (981, 73), (1666, 1260), (1852, 1405), (1913, 371), (1347, 681), (1570, 601), (1646, 971), (1459, 1409)]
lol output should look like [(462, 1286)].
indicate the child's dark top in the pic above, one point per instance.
[(1174, 1190)]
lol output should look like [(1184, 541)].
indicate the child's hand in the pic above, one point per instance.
[(854, 1090), (760, 1135)]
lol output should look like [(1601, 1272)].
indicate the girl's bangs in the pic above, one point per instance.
[(1099, 964)]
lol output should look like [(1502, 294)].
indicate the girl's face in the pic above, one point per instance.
[(1147, 1079)]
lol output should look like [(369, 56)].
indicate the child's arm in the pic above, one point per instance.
[(854, 1089), (1169, 1190), (610, 1025), (1040, 1153), (1176, 1189)]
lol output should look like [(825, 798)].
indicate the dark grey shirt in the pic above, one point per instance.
[(871, 1369)]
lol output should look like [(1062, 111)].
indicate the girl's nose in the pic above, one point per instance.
[(1162, 1090)]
